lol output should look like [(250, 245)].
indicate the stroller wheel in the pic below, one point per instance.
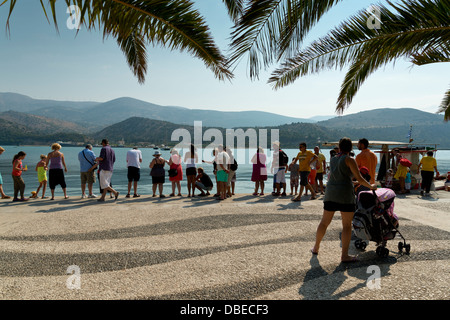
[(363, 245), (407, 248), (400, 246), (360, 244), (382, 252)]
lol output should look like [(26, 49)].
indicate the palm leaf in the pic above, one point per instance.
[(173, 24), (235, 8), (445, 106), (417, 27), (133, 47), (271, 29)]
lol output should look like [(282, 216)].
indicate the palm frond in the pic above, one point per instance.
[(445, 106), (432, 55), (416, 27), (270, 29), (235, 8), (173, 24), (133, 47)]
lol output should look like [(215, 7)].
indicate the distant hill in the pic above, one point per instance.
[(16, 134), (94, 115), (137, 129), (22, 103), (384, 117), (41, 124), (393, 125), (35, 121)]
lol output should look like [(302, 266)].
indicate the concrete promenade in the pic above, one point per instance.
[(243, 248)]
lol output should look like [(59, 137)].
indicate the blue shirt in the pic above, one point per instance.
[(84, 164)]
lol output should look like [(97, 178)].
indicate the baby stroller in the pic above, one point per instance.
[(374, 220)]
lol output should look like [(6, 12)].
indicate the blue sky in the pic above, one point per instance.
[(37, 61)]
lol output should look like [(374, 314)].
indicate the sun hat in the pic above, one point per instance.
[(157, 153)]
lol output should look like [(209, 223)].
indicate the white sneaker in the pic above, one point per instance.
[(83, 196), (92, 196)]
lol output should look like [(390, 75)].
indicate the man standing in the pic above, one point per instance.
[(279, 167), (106, 164), (86, 158), (366, 158), (321, 170), (134, 159), (305, 158)]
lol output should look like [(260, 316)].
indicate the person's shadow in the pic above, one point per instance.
[(318, 284)]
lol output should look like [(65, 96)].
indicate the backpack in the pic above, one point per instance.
[(283, 158), (234, 166)]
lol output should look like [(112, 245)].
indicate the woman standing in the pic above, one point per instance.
[(19, 184), (191, 158), (259, 173), (175, 167), (158, 173), (339, 196), (56, 172), (429, 165), (2, 194)]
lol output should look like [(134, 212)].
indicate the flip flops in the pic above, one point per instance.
[(352, 260)]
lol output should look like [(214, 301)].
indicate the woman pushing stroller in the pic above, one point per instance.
[(339, 196)]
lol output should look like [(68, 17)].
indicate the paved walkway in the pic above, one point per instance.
[(245, 248)]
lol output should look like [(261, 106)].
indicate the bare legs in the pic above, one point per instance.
[(178, 185), (259, 184), (191, 185), (347, 218)]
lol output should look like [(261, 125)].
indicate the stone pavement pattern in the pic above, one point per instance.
[(244, 248)]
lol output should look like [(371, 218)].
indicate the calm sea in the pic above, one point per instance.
[(119, 180)]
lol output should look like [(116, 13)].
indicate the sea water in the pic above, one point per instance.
[(119, 179)]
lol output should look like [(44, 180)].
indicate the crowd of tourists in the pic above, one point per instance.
[(307, 171)]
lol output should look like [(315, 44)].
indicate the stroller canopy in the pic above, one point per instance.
[(385, 198)]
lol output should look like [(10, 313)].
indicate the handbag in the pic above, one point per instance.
[(173, 173)]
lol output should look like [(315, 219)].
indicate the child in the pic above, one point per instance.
[(365, 174), (389, 178), (19, 184), (41, 168), (293, 168), (408, 182), (447, 182)]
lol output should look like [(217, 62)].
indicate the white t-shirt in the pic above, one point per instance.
[(133, 157), (222, 158)]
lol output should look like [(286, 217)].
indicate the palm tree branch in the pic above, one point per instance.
[(271, 28), (445, 106), (133, 47), (342, 45)]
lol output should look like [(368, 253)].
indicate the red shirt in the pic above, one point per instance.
[(368, 159), (17, 173)]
